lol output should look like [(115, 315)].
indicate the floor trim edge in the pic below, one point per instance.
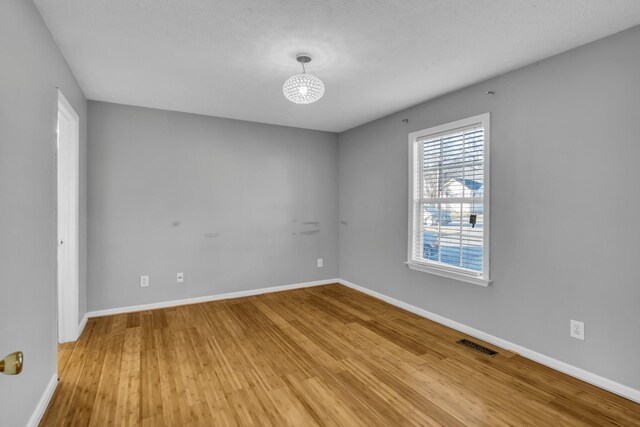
[(207, 298), (83, 323), (36, 417)]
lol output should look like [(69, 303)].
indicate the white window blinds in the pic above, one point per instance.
[(448, 209)]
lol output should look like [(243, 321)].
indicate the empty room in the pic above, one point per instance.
[(319, 213)]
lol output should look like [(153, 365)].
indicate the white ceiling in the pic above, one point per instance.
[(230, 58)]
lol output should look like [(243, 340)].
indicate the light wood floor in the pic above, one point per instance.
[(64, 354), (326, 355)]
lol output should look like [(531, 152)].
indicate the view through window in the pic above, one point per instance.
[(449, 219)]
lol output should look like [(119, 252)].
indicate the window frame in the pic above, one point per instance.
[(457, 273)]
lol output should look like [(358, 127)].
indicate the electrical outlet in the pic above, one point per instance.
[(144, 281), (180, 277), (320, 262), (576, 329)]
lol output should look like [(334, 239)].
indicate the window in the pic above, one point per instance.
[(449, 200)]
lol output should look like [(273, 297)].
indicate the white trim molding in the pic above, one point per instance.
[(579, 373), (44, 401), (67, 191), (82, 324), (448, 273), (207, 298)]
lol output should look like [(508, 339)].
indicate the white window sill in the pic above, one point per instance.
[(449, 274)]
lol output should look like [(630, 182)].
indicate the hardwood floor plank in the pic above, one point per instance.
[(320, 356), (64, 354)]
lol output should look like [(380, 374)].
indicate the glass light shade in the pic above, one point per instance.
[(303, 89)]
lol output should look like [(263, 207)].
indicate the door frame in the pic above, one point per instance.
[(68, 170)]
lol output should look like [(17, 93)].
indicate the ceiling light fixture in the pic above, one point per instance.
[(303, 88)]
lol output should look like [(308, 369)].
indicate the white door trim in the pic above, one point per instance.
[(68, 163)]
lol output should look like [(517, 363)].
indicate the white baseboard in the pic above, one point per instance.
[(207, 298), (581, 374), (44, 402), (83, 323)]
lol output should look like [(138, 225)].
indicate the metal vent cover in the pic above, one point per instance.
[(477, 347)]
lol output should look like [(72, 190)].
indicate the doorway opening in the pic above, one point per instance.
[(68, 166)]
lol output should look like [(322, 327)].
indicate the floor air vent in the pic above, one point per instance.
[(478, 347)]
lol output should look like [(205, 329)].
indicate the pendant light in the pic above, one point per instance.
[(303, 88)]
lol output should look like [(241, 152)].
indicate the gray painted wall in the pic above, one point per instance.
[(234, 205), (565, 205), (32, 67)]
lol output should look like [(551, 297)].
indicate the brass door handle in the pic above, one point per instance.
[(12, 364)]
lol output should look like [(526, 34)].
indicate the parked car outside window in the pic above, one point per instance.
[(435, 216)]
